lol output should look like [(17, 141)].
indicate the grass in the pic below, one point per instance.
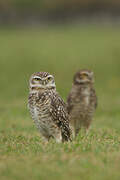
[(60, 50)]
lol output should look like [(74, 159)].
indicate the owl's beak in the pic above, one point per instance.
[(43, 82), (84, 77)]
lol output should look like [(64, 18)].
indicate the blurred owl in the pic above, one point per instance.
[(48, 110), (82, 101)]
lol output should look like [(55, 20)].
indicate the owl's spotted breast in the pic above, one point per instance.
[(39, 108)]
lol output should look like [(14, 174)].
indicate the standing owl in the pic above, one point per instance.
[(82, 101), (47, 109)]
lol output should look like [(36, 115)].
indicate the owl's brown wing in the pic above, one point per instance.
[(59, 114), (94, 98)]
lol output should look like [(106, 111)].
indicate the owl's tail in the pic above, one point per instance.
[(66, 134)]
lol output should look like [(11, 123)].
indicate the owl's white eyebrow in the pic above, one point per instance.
[(47, 77), (85, 73), (91, 73), (37, 77), (50, 76)]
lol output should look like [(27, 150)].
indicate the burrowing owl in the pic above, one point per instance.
[(82, 101), (48, 110)]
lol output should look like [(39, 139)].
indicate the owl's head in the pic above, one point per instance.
[(42, 80), (84, 77)]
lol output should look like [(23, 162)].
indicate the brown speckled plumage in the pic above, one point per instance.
[(82, 101), (48, 110)]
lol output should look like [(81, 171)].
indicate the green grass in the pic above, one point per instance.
[(60, 50)]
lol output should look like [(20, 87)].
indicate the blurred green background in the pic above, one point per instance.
[(37, 11), (61, 49)]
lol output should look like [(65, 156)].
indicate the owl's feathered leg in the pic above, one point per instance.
[(45, 140), (77, 127), (87, 125), (58, 136), (77, 131), (87, 130)]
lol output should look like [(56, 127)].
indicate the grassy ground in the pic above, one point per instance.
[(61, 51)]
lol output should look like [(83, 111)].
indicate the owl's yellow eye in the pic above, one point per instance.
[(36, 79), (49, 78), (84, 75)]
